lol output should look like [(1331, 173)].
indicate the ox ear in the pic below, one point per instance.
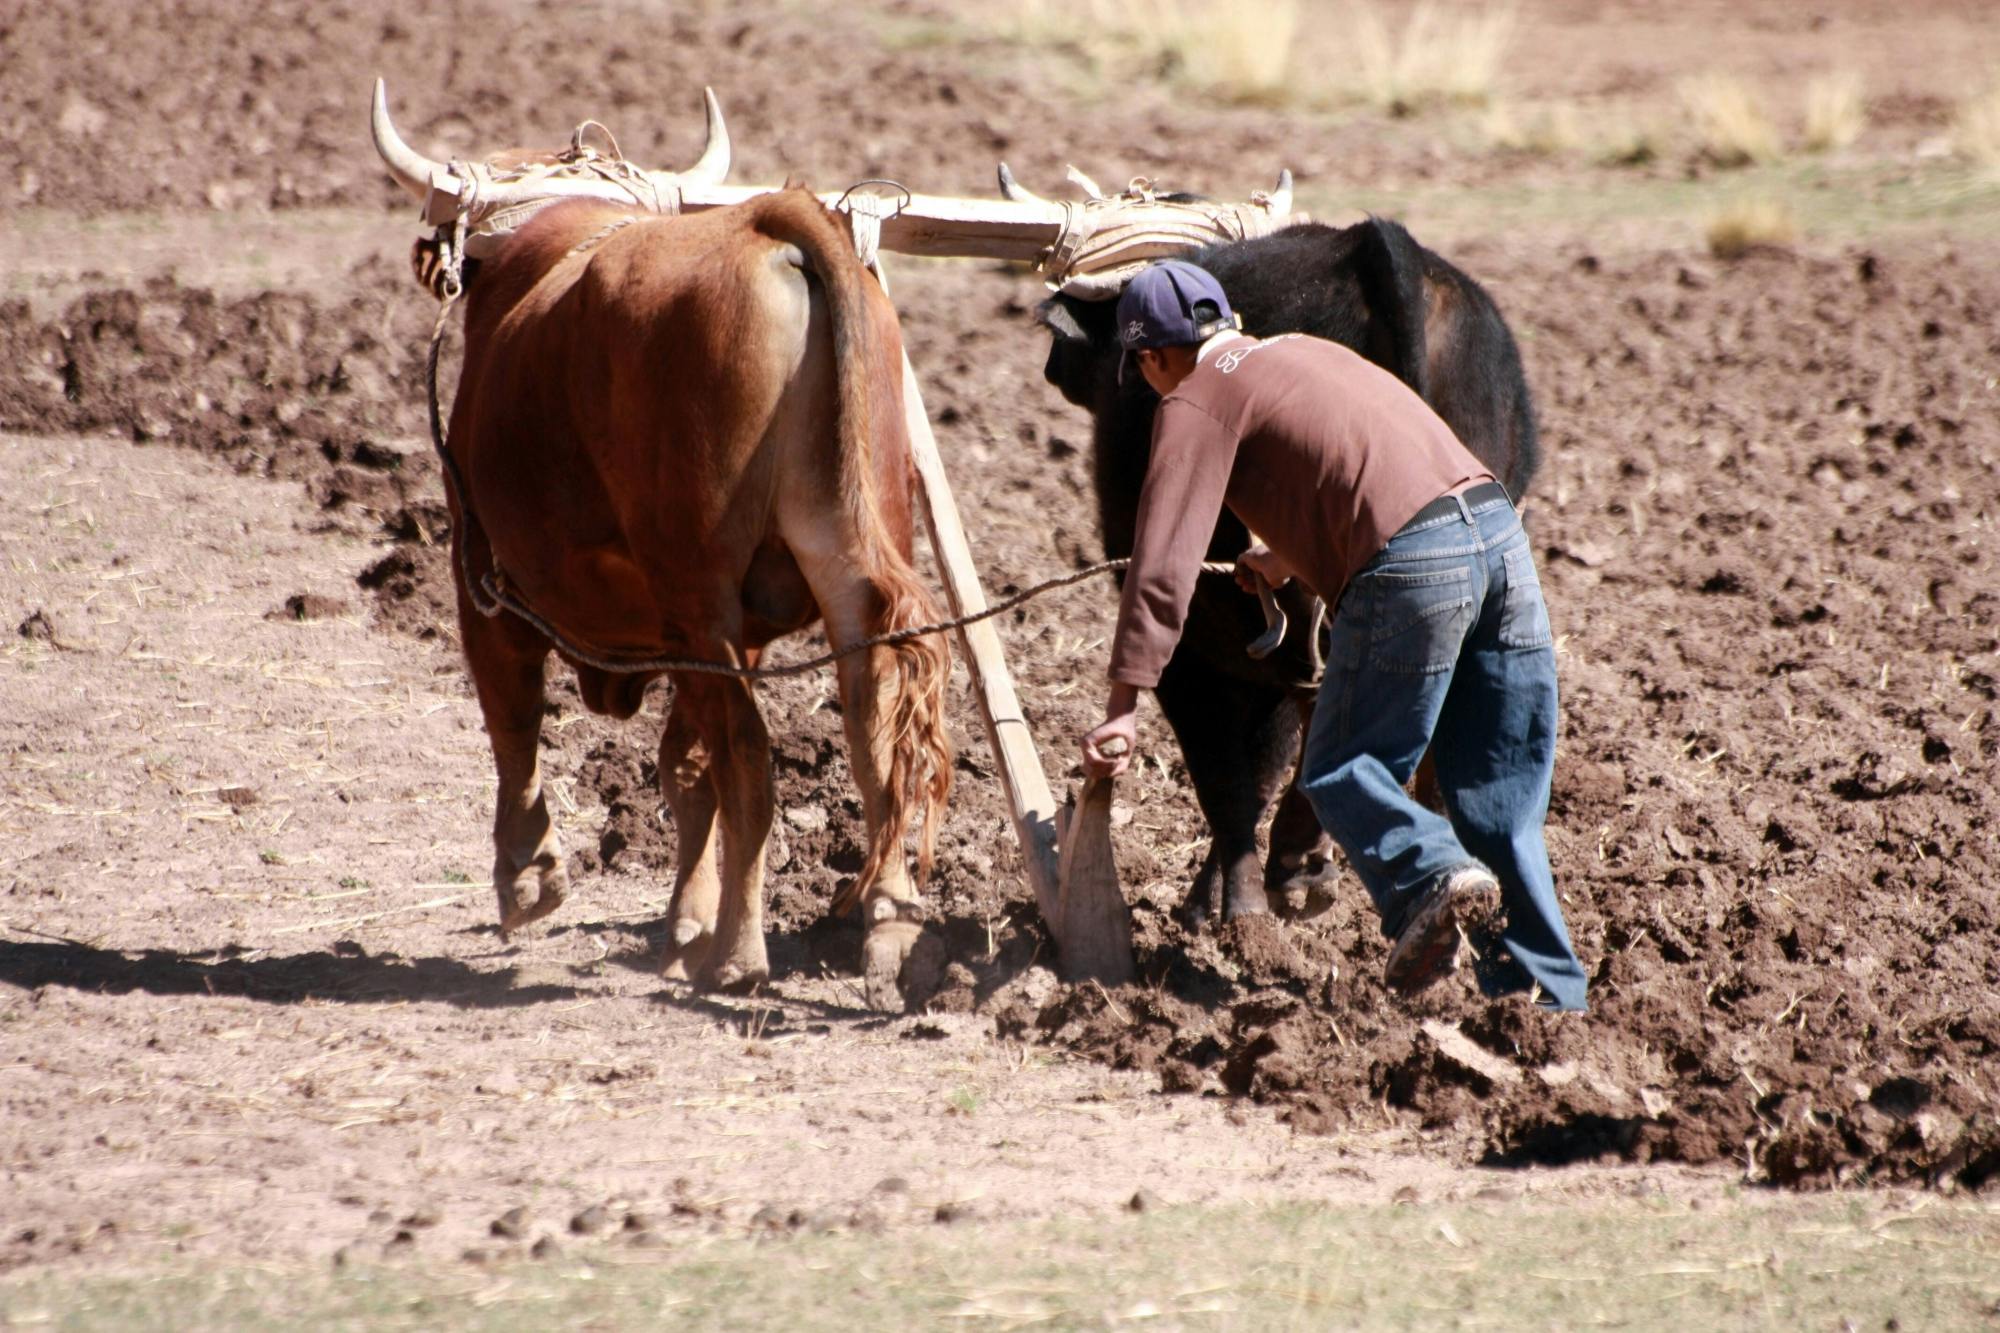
[(1074, 320)]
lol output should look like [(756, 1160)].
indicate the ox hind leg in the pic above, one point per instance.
[(901, 963), (507, 661), (687, 781), (722, 755)]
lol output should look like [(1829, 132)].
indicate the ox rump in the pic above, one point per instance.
[(684, 436)]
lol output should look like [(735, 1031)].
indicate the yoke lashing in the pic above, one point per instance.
[(1108, 238)]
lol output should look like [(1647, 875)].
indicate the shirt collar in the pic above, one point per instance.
[(1216, 340)]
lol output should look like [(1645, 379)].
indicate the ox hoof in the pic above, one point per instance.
[(687, 951), (736, 978), (902, 966), (1247, 900), (1303, 896), (514, 913), (735, 971)]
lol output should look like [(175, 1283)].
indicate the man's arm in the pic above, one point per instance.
[(1178, 508)]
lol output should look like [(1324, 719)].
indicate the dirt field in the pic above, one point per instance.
[(253, 1002)]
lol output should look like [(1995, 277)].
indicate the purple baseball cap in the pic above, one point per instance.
[(1157, 308)]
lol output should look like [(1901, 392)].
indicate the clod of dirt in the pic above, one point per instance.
[(956, 1210), (544, 1248), (404, 1239), (475, 1255), (423, 1217), (806, 818), (307, 606), (636, 1222), (892, 1185), (512, 1224), (1259, 946), (590, 1221), (237, 798), (40, 628), (1143, 1201)]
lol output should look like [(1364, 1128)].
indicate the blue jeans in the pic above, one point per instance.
[(1442, 641)]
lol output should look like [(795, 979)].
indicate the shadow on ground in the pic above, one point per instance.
[(345, 973)]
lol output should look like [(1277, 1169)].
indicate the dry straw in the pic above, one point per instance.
[(1750, 224), (1730, 125), (1978, 131), (1834, 112), (1284, 51), (1440, 55)]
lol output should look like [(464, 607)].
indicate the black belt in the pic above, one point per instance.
[(1446, 506)]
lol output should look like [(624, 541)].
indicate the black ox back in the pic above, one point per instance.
[(1373, 288)]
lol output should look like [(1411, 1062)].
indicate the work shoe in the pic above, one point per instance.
[(1427, 949)]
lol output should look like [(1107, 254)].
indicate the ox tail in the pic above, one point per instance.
[(911, 701)]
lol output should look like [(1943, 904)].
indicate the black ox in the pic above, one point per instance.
[(1239, 721)]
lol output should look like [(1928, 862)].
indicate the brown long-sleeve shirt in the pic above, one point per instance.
[(1320, 452)]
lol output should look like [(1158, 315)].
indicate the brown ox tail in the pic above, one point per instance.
[(911, 708)]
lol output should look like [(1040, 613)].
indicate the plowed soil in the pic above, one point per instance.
[(1765, 528)]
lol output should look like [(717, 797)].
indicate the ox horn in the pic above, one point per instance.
[(1281, 198), (1016, 191), (713, 164), (412, 170)]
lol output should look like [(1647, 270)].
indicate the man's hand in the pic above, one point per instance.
[(1108, 750), (1261, 562)]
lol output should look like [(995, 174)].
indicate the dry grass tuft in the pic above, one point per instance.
[(1978, 130), (1242, 51), (1547, 131), (1730, 124), (1750, 224), (1834, 114), (1282, 51), (1239, 50), (1441, 55)]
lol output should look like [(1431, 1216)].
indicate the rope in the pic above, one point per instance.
[(490, 595)]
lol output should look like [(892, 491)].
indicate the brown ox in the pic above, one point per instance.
[(684, 436)]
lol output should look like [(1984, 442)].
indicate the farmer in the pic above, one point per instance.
[(1440, 639)]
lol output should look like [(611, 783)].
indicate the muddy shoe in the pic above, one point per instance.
[(1427, 949)]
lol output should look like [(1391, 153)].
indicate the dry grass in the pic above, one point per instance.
[(1243, 51), (1750, 224), (1731, 127), (1440, 55), (1834, 113), (1978, 129), (1547, 131), (1283, 51), (1239, 50)]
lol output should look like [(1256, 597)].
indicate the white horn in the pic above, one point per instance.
[(713, 164), (1281, 198), (1083, 182), (1015, 191), (412, 170)]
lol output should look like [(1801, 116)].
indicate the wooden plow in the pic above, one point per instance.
[(1085, 247)]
